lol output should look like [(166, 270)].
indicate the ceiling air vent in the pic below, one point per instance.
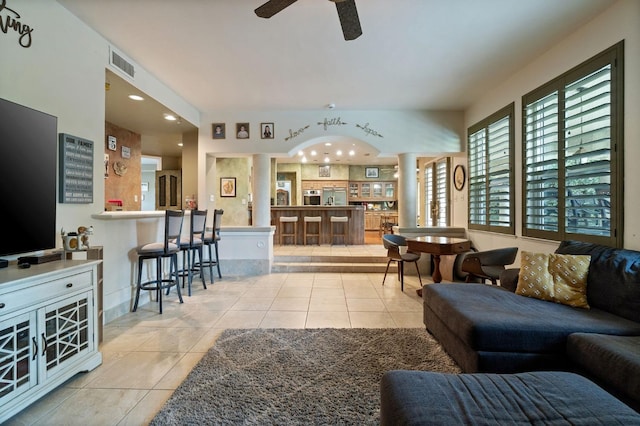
[(121, 63)]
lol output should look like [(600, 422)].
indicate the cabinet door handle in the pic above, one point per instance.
[(69, 285), (44, 344), (35, 347)]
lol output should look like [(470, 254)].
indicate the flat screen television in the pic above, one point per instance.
[(28, 148)]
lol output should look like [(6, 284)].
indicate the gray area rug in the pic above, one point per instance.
[(298, 376)]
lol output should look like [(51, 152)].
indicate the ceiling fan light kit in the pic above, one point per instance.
[(347, 13)]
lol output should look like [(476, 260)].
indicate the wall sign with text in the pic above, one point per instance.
[(76, 169)]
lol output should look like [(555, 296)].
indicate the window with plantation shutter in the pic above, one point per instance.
[(541, 164), (572, 158), (491, 179), (436, 178), (442, 192), (428, 196)]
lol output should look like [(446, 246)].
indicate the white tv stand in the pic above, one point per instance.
[(48, 329)]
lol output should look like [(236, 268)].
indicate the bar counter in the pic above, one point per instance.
[(354, 213)]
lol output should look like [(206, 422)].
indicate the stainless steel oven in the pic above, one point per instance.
[(312, 197)]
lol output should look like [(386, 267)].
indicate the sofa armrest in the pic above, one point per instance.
[(509, 279)]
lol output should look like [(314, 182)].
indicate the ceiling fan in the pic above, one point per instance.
[(347, 13)]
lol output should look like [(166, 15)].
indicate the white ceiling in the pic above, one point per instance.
[(413, 54)]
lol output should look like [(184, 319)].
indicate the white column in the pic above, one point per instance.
[(261, 190), (407, 187)]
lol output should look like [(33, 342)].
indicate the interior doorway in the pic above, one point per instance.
[(286, 189), (150, 165)]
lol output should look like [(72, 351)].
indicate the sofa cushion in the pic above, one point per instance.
[(489, 318), (613, 283), (613, 361), (560, 278), (421, 397)]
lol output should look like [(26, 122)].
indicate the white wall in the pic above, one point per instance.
[(63, 73), (621, 21), (429, 133)]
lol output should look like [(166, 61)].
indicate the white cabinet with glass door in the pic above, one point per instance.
[(48, 331)]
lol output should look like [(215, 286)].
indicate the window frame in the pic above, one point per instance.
[(439, 180), (483, 125), (613, 56)]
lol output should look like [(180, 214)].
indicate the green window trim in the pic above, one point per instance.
[(491, 178), (572, 156)]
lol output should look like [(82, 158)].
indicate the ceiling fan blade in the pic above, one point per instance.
[(349, 20), (272, 7)]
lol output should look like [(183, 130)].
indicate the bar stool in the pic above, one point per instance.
[(190, 247), (158, 251), (344, 220), (283, 232), (211, 238), (307, 221), (387, 222)]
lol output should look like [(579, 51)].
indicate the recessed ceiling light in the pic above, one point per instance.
[(136, 97), (313, 153), (339, 152), (300, 153), (327, 144), (170, 117), (326, 159), (180, 144), (304, 159), (352, 153)]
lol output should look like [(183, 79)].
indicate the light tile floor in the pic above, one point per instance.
[(147, 355)]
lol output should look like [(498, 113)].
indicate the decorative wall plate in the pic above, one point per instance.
[(459, 177), (120, 168)]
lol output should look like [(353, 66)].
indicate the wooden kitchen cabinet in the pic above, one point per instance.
[(372, 191)]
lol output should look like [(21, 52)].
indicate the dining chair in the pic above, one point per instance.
[(393, 244), (488, 264)]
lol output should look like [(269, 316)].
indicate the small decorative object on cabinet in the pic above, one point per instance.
[(48, 329)]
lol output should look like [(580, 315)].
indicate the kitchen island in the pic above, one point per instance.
[(354, 213)]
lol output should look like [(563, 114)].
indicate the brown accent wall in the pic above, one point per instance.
[(126, 185)]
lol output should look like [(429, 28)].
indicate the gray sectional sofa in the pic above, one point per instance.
[(492, 329), (497, 335)]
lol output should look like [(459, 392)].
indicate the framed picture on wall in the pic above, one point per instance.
[(228, 187), (242, 130), (266, 130), (218, 131), (371, 172), (324, 171)]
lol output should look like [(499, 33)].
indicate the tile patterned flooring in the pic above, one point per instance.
[(147, 355)]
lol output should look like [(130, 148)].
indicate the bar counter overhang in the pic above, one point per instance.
[(354, 213)]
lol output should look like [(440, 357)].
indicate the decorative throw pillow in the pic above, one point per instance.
[(561, 278), (534, 279), (570, 278)]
